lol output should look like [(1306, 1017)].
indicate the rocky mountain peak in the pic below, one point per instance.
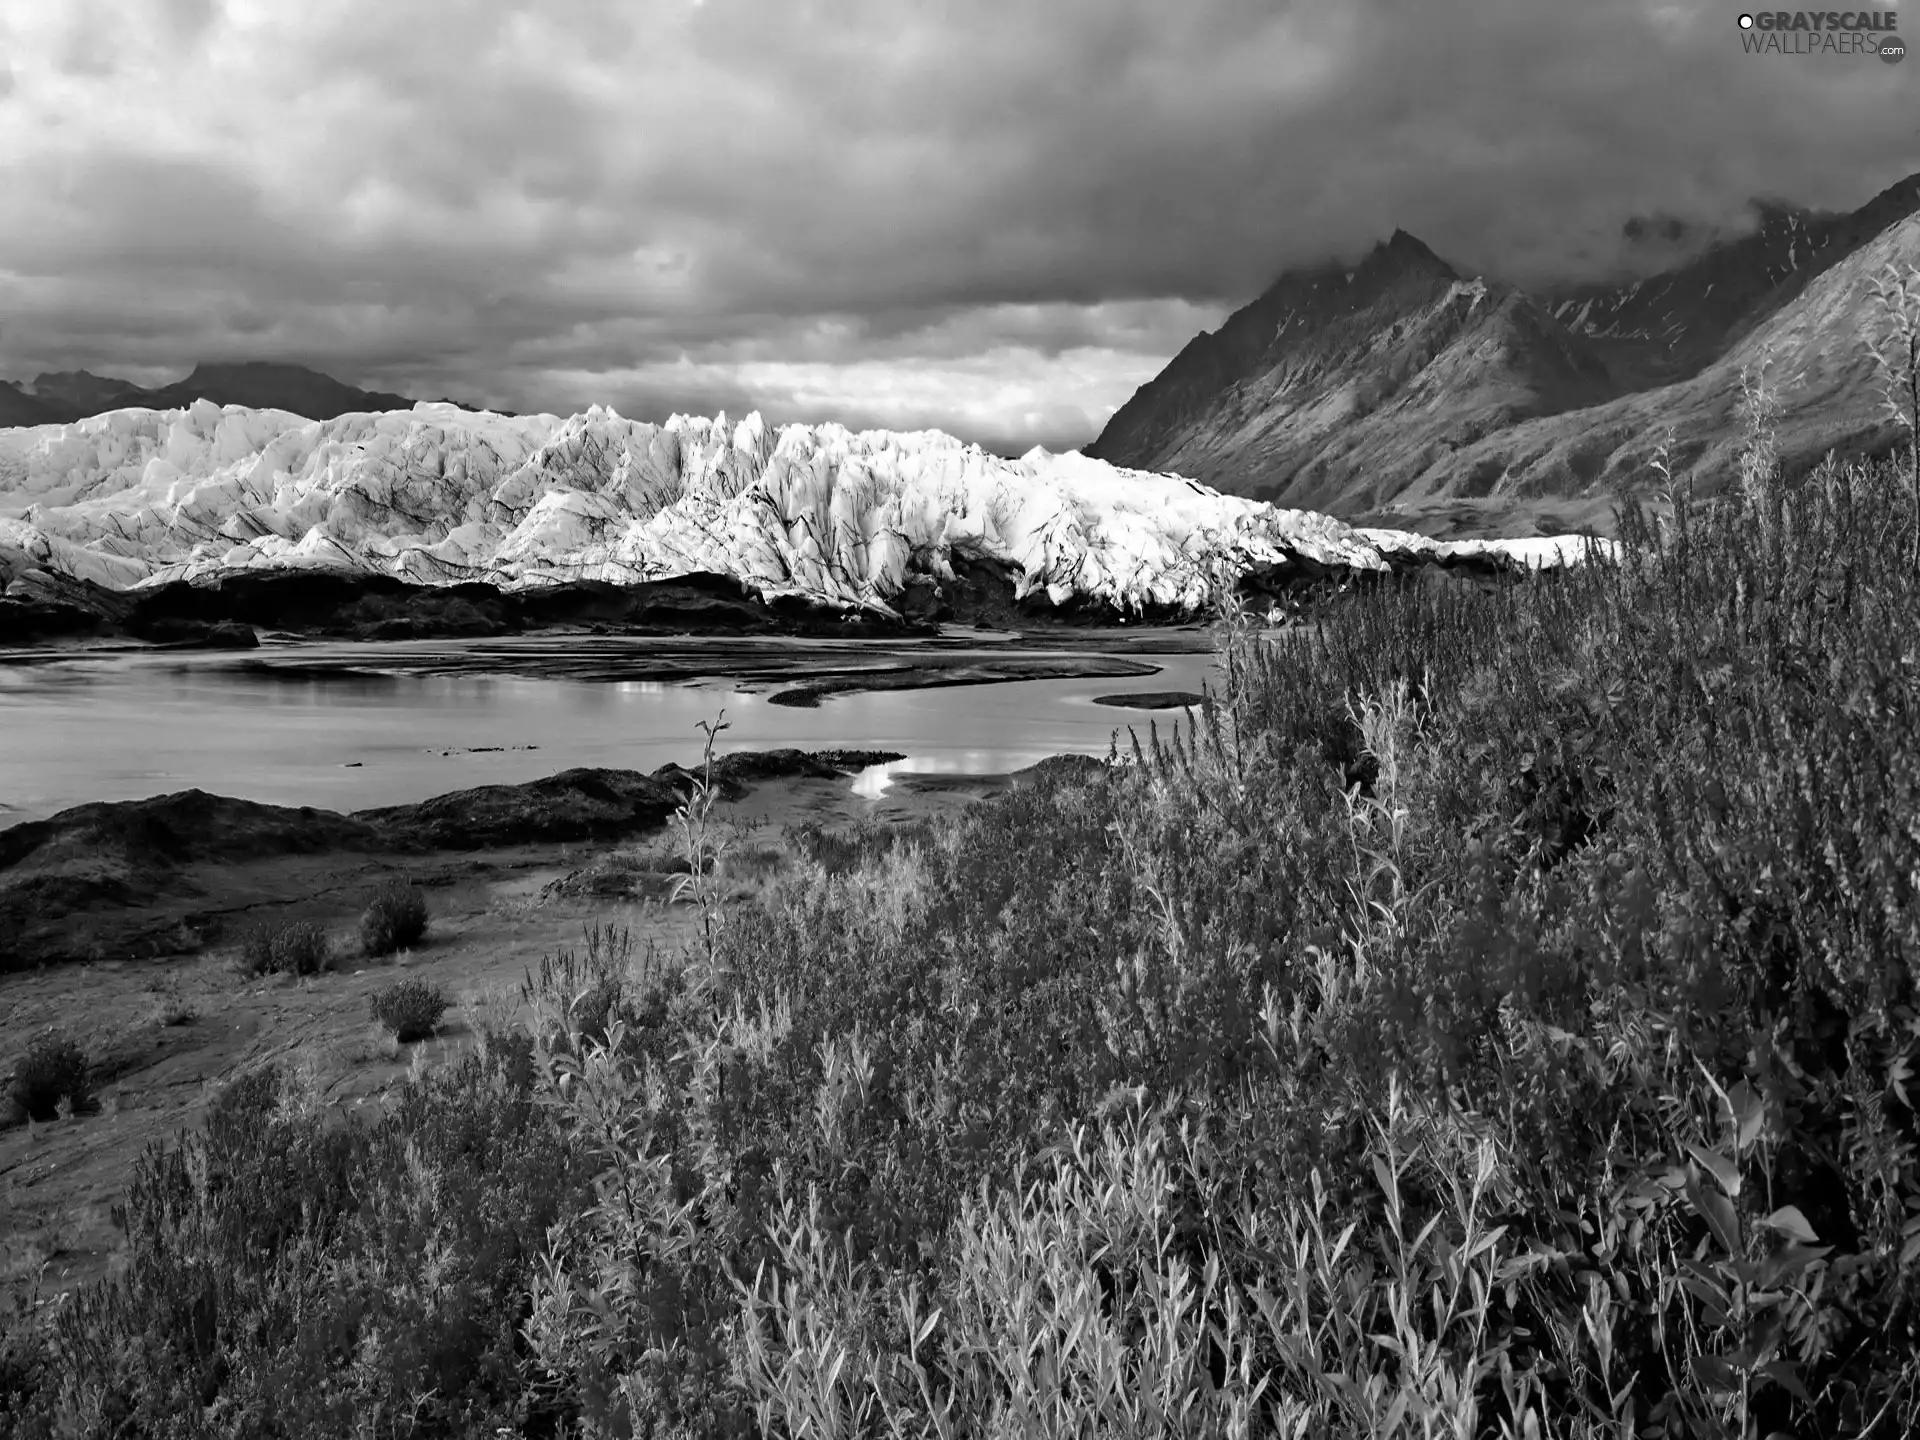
[(213, 372), (1395, 380), (1403, 252)]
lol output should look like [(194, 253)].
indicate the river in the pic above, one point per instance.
[(345, 726)]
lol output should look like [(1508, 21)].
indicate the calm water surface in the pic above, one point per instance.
[(126, 726)]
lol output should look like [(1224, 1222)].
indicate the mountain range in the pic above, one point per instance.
[(61, 396), (1399, 390)]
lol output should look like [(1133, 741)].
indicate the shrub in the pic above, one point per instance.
[(409, 1010), (296, 947), (53, 1069), (256, 951), (292, 1276), (250, 1096), (173, 1008), (396, 919), (578, 999), (26, 1364), (838, 851)]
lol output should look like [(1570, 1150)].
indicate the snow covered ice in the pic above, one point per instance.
[(438, 495)]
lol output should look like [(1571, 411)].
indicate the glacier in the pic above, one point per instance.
[(437, 495)]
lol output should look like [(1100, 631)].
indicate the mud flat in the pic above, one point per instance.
[(1153, 700), (792, 667)]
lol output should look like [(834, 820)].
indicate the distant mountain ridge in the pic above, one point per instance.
[(1674, 324), (80, 390), (1399, 383), (62, 396)]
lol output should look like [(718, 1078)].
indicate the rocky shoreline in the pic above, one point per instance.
[(38, 608), (130, 879)]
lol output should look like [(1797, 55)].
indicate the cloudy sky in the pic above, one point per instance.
[(997, 217)]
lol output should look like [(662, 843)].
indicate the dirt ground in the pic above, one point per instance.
[(494, 917)]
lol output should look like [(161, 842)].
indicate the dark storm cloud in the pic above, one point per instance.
[(994, 216)]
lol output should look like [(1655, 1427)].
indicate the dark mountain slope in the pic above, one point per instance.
[(1337, 373), (1810, 353), (264, 386), (19, 408), (1670, 327), (78, 392), (1398, 385), (59, 397)]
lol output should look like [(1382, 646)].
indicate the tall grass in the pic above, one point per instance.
[(1493, 1016), (1894, 344)]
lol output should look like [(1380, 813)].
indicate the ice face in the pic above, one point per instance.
[(439, 495)]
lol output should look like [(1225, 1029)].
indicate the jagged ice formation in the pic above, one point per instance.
[(437, 495)]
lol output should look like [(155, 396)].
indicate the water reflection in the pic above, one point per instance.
[(125, 726), (876, 780)]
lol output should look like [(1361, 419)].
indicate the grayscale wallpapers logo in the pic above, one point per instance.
[(1824, 32)]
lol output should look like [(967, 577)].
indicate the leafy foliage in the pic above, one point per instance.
[(286, 1276), (298, 947), (409, 1009), (53, 1069), (395, 919)]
